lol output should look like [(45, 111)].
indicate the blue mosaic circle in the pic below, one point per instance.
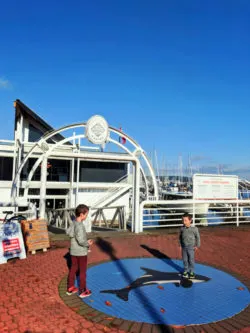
[(152, 290)]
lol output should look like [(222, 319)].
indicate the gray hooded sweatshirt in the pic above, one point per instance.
[(78, 239)]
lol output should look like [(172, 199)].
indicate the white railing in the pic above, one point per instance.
[(103, 217), (7, 142), (168, 213), (244, 194), (116, 220), (60, 218), (112, 192)]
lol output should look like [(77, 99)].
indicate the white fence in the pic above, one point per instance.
[(161, 214), (101, 217), (168, 213)]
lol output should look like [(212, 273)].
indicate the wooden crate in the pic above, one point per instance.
[(36, 236)]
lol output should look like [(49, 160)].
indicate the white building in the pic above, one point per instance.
[(78, 163)]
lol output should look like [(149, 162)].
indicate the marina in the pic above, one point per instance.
[(46, 173), (124, 167)]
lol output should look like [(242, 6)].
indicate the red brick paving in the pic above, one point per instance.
[(29, 298)]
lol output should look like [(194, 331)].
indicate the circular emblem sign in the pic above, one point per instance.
[(97, 130)]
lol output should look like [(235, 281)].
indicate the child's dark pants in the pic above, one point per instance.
[(79, 263)]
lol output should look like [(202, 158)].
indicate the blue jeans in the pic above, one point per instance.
[(188, 258)]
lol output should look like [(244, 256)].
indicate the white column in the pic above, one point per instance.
[(77, 181), (128, 170), (237, 213), (137, 222), (14, 157), (42, 205), (133, 199), (18, 162), (71, 191)]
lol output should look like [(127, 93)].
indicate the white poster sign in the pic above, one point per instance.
[(11, 241), (212, 187)]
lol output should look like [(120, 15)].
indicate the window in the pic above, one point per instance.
[(27, 168), (104, 172), (34, 191), (6, 167), (57, 191), (34, 134), (58, 170)]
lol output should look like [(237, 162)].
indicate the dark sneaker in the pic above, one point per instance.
[(72, 290), (192, 276), (85, 293), (185, 274)]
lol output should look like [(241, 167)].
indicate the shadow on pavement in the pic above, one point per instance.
[(108, 248)]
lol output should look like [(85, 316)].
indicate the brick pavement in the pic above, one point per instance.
[(30, 301)]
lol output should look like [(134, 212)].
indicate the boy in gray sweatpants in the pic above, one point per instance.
[(189, 239)]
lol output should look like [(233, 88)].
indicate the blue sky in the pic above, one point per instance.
[(174, 74)]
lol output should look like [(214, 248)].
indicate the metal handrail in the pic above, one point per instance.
[(62, 218), (168, 213), (111, 191)]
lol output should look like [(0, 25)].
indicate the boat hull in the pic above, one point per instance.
[(182, 206)]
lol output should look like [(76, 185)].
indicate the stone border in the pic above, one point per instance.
[(237, 322)]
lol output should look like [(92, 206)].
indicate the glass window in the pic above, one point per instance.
[(105, 172), (34, 134), (27, 168), (6, 167), (58, 170)]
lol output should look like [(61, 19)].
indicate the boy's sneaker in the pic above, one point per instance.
[(85, 293), (185, 274), (191, 275), (72, 290)]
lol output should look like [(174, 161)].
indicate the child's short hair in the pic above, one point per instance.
[(189, 216), (81, 209)]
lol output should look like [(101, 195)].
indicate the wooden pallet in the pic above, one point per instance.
[(36, 235), (34, 251)]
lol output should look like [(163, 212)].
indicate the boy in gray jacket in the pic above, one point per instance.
[(79, 246), (189, 240)]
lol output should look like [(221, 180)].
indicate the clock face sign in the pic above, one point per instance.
[(152, 290), (97, 130)]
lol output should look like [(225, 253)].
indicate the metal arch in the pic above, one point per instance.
[(55, 132), (150, 167), (130, 153), (43, 138), (80, 136), (46, 154)]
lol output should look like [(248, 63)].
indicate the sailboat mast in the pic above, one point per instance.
[(190, 170), (156, 165), (180, 169)]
